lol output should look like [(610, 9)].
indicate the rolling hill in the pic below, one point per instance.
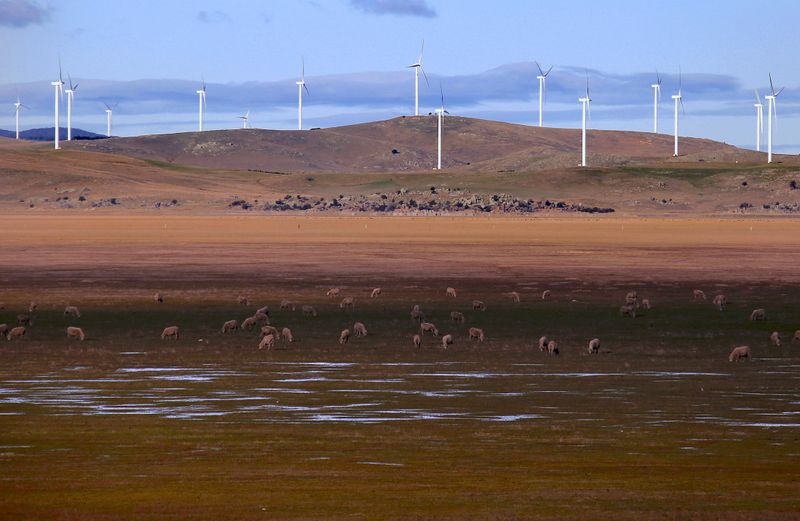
[(46, 134)]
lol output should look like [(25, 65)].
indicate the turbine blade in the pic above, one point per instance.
[(441, 92), (304, 86), (548, 71), (75, 87), (658, 77), (425, 75), (541, 72), (771, 86), (778, 93)]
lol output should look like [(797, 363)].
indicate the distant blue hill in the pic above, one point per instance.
[(46, 134)]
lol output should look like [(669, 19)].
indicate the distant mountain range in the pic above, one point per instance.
[(47, 134)]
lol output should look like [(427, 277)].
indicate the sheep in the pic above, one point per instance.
[(739, 353), (451, 292), (543, 340), (261, 318), (416, 314), (287, 305), (263, 310), (632, 297), (346, 302), (775, 338), (268, 341), (286, 335), (514, 296), (170, 332), (457, 316), (32, 307), (249, 323), (4, 329), (75, 332), (72, 311), (628, 309), (309, 311), (427, 327), (552, 347), (230, 325), (720, 301), (243, 301), (17, 332), (359, 329), (796, 337), (546, 294), (447, 340), (24, 320), (417, 340), (594, 346), (699, 294), (333, 292), (476, 334), (646, 304), (758, 314), (158, 298), (477, 305), (375, 293), (344, 336), (269, 330)]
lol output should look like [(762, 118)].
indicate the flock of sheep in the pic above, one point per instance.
[(270, 335)]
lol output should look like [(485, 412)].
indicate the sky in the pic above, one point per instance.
[(149, 57)]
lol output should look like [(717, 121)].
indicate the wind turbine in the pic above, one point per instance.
[(759, 121), (772, 109), (440, 112), (585, 105), (678, 98), (109, 112), (245, 119), (417, 66), (59, 91), (300, 86), (201, 101), (656, 97), (70, 97), (542, 77), (18, 106)]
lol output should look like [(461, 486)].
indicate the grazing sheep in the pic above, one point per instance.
[(758, 314), (427, 327), (268, 341), (457, 316), (24, 320), (739, 353), (477, 305), (416, 314), (476, 333), (32, 307), (451, 292), (346, 302), (699, 294), (263, 310), (243, 301), (17, 332), (552, 347), (230, 325), (75, 332), (333, 292), (72, 311), (514, 296), (720, 301), (417, 340), (594, 346), (269, 330), (375, 293), (632, 297), (359, 329), (158, 298), (543, 340), (796, 337), (287, 305), (286, 335), (249, 323), (546, 294), (775, 338), (646, 304), (261, 318), (344, 336), (628, 309), (309, 311), (447, 340), (4, 329), (170, 332)]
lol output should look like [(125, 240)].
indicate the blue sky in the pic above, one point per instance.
[(149, 56)]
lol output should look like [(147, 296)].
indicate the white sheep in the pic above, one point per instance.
[(375, 293), (359, 329), (447, 340), (286, 334), (230, 325), (594, 346), (344, 336), (476, 334), (75, 332), (170, 332), (739, 353), (72, 311), (268, 341), (451, 292)]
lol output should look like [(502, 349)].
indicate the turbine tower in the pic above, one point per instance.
[(70, 98), (109, 113), (300, 86), (201, 101), (759, 121), (59, 91), (18, 106), (585, 105), (771, 110), (542, 77), (440, 112), (678, 99), (245, 119), (656, 97), (417, 66)]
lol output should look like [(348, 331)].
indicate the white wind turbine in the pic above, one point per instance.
[(759, 121), (18, 106), (201, 101), (109, 113), (245, 119), (678, 98), (59, 91), (542, 77), (300, 86), (656, 97), (70, 98), (585, 101), (417, 66), (771, 110), (440, 112)]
